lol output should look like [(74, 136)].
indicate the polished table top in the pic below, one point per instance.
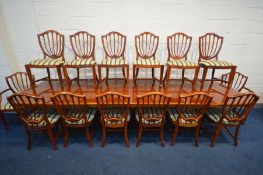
[(175, 88)]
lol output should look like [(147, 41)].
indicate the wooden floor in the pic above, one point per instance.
[(218, 91)]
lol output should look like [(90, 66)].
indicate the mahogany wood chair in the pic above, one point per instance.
[(190, 113), (114, 110), (234, 112), (152, 108), (239, 82), (178, 46), (114, 44), (74, 113), (83, 45), (35, 115), (16, 83), (146, 45), (52, 45), (210, 45)]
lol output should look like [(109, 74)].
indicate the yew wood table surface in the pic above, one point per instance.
[(175, 88)]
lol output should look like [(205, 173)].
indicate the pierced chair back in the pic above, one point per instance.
[(239, 81), (114, 44), (210, 45), (72, 108), (146, 45), (114, 108), (178, 46), (83, 45), (52, 44), (152, 108), (18, 82)]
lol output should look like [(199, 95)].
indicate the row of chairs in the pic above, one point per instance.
[(72, 111), (114, 43), (19, 82)]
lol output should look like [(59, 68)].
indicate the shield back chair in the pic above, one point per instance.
[(75, 113), (83, 46), (178, 46), (210, 45), (190, 113), (114, 110), (52, 45), (35, 115), (114, 44), (239, 82), (146, 45), (152, 108), (235, 111), (16, 83)]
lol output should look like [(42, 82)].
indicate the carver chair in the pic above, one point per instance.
[(75, 113), (146, 45), (35, 115), (83, 45), (150, 114), (189, 113), (210, 45), (52, 45), (114, 44), (114, 113)]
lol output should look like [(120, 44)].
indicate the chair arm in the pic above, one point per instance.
[(1, 93), (247, 89)]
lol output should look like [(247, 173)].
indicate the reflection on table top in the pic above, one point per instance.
[(175, 88)]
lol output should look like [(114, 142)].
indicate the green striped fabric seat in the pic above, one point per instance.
[(150, 114), (215, 63), (81, 62), (147, 62), (46, 62), (52, 116), (112, 62), (215, 115), (174, 116), (180, 63), (6, 106), (89, 116)]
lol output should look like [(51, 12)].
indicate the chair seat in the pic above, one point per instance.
[(180, 62), (146, 121), (81, 62), (52, 116), (174, 116), (218, 63), (89, 116), (215, 115), (120, 122), (147, 62), (7, 106), (112, 62), (46, 62)]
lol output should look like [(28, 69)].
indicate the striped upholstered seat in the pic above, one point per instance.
[(215, 63), (216, 113), (149, 115), (89, 116), (180, 63), (112, 61), (147, 62), (80, 62), (117, 122), (52, 116), (174, 116), (46, 62), (6, 106)]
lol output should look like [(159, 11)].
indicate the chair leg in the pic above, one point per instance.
[(167, 76), (139, 136), (236, 135), (127, 73), (78, 75), (48, 75), (66, 76), (4, 121), (176, 129), (94, 76), (30, 77), (161, 75), (60, 77), (88, 136), (153, 77), (195, 76), (197, 130), (203, 78), (134, 74), (183, 71), (29, 137), (126, 136), (218, 129), (213, 75), (103, 136), (107, 76), (99, 72), (66, 136), (231, 77), (161, 136), (52, 139)]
